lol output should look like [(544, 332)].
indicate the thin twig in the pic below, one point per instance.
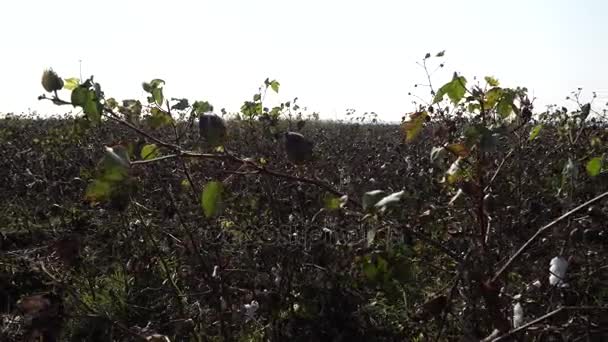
[(542, 230), (549, 315), (498, 170)]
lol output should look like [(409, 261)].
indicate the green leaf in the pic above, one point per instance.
[(585, 110), (113, 173), (185, 183), (131, 109), (473, 107), (112, 182), (71, 83), (274, 85), (211, 198), (492, 82), (275, 112), (155, 87), (111, 102), (157, 93), (157, 83), (150, 86), (182, 104), (370, 271), (459, 150), (455, 89), (98, 191), (473, 133), (440, 53), (251, 109), (93, 109), (492, 97), (149, 151), (79, 96), (331, 203), (121, 193), (594, 166), (159, 118), (487, 139), (201, 107), (87, 99), (413, 127), (505, 105), (147, 87), (535, 131)]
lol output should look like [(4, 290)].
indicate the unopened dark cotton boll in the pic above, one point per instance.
[(299, 149), (51, 81), (212, 129)]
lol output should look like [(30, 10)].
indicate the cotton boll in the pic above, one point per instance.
[(277, 275), (50, 81), (557, 270), (213, 129), (299, 149), (518, 315), (158, 338), (251, 309)]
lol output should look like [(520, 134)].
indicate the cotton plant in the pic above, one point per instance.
[(557, 270)]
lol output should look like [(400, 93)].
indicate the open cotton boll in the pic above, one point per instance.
[(518, 315), (558, 267), (251, 309), (158, 338)]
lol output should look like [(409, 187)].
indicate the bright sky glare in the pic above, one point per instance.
[(333, 55)]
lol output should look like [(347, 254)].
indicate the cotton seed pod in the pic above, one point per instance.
[(299, 149), (212, 129), (158, 338), (557, 270), (518, 315), (51, 81)]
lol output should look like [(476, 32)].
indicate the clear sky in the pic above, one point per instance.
[(333, 54)]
